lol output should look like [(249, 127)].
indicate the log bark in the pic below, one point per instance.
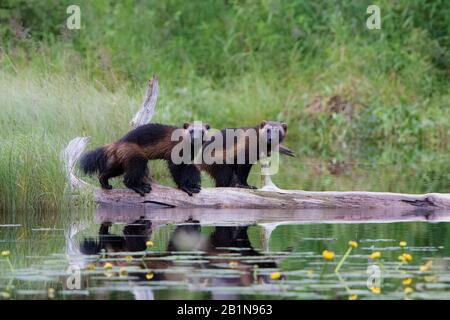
[(260, 199)]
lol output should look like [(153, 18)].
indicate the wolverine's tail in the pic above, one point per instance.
[(286, 151), (94, 161)]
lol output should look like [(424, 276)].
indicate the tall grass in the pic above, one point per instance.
[(39, 115), (231, 63)]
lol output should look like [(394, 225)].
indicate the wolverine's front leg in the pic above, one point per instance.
[(241, 174), (135, 172), (186, 176), (104, 182), (146, 181), (223, 174)]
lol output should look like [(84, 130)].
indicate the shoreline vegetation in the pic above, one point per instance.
[(366, 110)]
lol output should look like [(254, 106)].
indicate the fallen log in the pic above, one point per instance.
[(260, 199), (268, 197)]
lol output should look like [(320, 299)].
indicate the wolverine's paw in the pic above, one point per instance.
[(146, 187), (190, 190), (187, 190), (139, 190), (196, 189), (107, 186), (245, 186)]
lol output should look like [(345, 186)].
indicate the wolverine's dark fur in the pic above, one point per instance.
[(236, 175), (130, 155), (93, 161)]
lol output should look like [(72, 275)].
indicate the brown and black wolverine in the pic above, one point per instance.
[(130, 155), (269, 135)]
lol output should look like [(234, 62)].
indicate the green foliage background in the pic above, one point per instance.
[(231, 63)]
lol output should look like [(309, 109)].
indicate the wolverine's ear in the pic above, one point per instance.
[(284, 125), (263, 124), (207, 126), (186, 125)]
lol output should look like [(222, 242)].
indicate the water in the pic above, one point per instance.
[(215, 254)]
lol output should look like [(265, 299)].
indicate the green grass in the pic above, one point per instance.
[(230, 64)]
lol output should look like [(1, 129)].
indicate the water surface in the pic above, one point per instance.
[(235, 254)]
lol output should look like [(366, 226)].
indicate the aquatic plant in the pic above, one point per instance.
[(375, 255), (328, 255)]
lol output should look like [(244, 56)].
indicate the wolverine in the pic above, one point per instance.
[(231, 160), (130, 154)]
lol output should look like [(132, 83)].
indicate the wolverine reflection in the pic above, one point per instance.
[(227, 247)]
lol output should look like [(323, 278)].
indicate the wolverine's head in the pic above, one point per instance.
[(272, 132), (197, 130)]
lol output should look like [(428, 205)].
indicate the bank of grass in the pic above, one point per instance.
[(231, 64)]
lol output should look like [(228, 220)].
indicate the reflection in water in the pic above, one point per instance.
[(224, 247), (135, 235)]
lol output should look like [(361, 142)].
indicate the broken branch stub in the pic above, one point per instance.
[(145, 113)]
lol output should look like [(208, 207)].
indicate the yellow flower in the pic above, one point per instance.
[(275, 275), (149, 244), (426, 266), (233, 264), (90, 266), (328, 255), (108, 266), (149, 276), (407, 281), (5, 253), (128, 258), (405, 257), (353, 244), (403, 244), (375, 255), (123, 272), (376, 290), (408, 290), (353, 297)]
